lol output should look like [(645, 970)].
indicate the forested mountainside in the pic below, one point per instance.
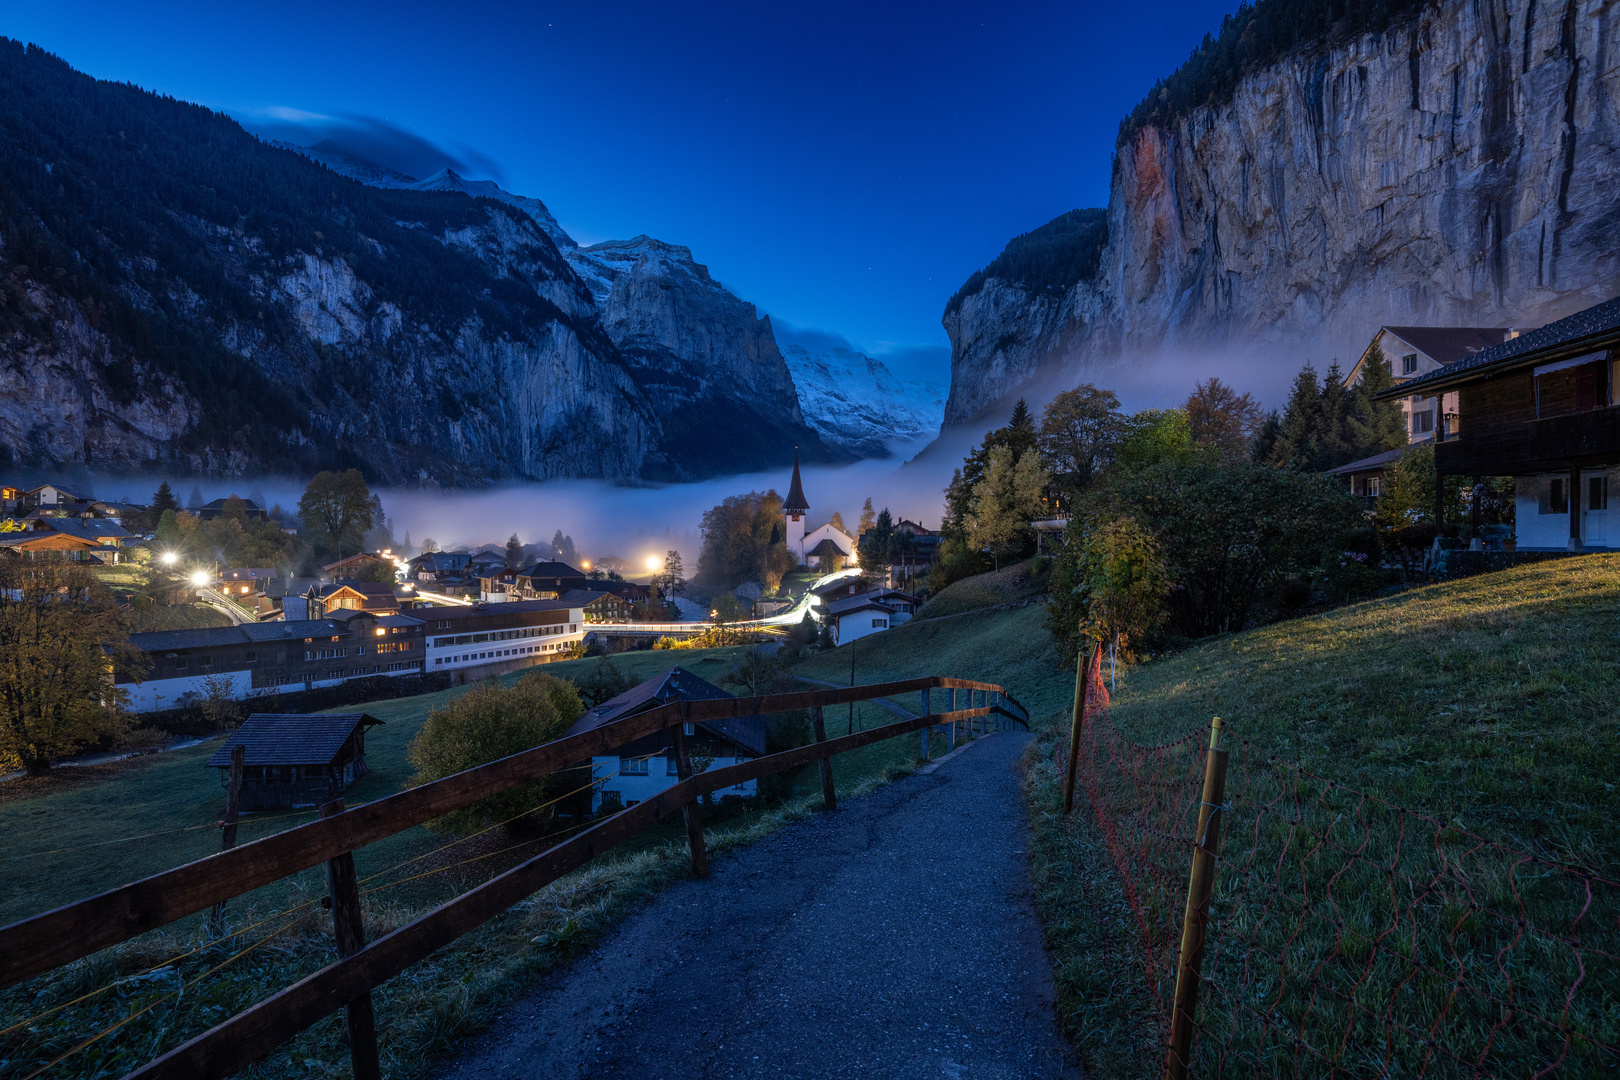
[(174, 290), (1318, 169)]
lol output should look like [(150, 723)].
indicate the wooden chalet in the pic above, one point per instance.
[(599, 607), (35, 543), (1542, 408), (350, 568), (293, 760)]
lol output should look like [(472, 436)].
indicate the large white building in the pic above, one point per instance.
[(803, 540)]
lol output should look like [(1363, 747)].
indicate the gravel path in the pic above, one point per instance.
[(893, 938)]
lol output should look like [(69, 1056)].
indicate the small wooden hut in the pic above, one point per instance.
[(294, 759)]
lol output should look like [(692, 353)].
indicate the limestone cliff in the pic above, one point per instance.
[(1457, 168)]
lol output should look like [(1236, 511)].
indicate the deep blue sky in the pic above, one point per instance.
[(844, 167)]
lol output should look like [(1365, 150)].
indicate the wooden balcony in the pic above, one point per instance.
[(1589, 437)]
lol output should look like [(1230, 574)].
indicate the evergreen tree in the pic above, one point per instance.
[(1265, 440), (1335, 445), (868, 519), (514, 552), (1375, 426), (195, 499), (672, 582), (837, 522), (1298, 440), (164, 500), (1020, 434)]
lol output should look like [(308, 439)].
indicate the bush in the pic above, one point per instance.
[(490, 722)]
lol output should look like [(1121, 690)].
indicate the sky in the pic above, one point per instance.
[(845, 167)]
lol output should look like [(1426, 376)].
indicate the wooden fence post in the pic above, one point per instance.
[(1195, 921), (1082, 688), (690, 812), (951, 735), (922, 752), (818, 728), (349, 931), (227, 824)]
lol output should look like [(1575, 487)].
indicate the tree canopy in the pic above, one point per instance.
[(339, 509)]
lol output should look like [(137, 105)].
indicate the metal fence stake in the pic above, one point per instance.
[(690, 812), (1195, 921), (1083, 667), (818, 728), (349, 931)]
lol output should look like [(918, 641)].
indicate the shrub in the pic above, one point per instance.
[(490, 722)]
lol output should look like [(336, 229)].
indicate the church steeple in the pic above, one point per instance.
[(796, 502)]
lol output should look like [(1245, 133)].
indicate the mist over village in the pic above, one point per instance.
[(909, 542)]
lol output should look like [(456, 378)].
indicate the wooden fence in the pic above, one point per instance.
[(39, 944)]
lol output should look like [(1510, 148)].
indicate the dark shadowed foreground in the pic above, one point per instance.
[(894, 938)]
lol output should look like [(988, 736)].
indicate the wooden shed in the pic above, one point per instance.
[(295, 759)]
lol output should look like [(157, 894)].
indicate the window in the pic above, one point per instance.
[(180, 664), (1597, 492), (1422, 422), (672, 767), (690, 729), (1374, 486), (879, 624), (205, 660), (632, 766), (1557, 497), (1409, 364)]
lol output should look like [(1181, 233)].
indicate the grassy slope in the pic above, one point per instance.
[(1021, 581)]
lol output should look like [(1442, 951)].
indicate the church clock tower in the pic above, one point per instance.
[(795, 508)]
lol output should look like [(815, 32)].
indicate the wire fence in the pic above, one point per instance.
[(1347, 936)]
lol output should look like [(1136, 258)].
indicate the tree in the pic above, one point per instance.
[(837, 522), (58, 625), (1005, 501), (562, 548), (429, 545), (1079, 430), (339, 509), (163, 500), (514, 552), (1020, 435), (603, 683), (672, 581), (1264, 447), (1220, 418), (868, 518), (1375, 426), (1125, 580), (1156, 437), (742, 541), (727, 610), (195, 499), (168, 529), (489, 722), (1298, 443)]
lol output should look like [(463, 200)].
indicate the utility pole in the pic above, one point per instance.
[(852, 684)]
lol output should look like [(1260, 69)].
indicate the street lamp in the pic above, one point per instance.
[(199, 578), (170, 558), (654, 562)]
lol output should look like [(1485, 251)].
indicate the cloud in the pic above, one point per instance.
[(372, 141)]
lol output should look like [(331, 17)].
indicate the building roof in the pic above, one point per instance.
[(158, 641), (676, 684), (846, 586), (219, 504), (550, 569), (511, 607), (585, 597), (1368, 464), (442, 561), (87, 528), (828, 549), (1566, 336), (369, 589), (291, 738), (1449, 344), (873, 596), (47, 540), (856, 604), (248, 573), (358, 557), (795, 496)]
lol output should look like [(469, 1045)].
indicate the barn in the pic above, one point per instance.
[(294, 759)]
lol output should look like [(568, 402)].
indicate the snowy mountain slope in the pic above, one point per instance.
[(856, 403)]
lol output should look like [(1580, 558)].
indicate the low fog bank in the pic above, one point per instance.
[(633, 523)]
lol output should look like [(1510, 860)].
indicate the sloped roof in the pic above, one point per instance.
[(1568, 335), (551, 570), (857, 603), (1449, 344), (827, 549), (158, 641), (676, 684), (1367, 464), (584, 597), (291, 738), (795, 496), (87, 528), (219, 504)]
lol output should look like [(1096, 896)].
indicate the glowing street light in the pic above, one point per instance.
[(654, 562), (199, 578), (170, 558)]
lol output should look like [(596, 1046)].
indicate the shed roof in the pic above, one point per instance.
[(291, 738), (1449, 344), (676, 684)]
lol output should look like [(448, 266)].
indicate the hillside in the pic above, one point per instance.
[(177, 291), (1316, 170)]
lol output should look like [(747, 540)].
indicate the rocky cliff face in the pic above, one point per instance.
[(1459, 169)]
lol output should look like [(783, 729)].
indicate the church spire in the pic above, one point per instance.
[(796, 502)]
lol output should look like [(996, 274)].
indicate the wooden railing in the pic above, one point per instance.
[(74, 931)]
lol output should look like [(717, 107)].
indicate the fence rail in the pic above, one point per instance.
[(71, 932), (1335, 933)]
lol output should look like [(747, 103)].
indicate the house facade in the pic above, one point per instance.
[(1414, 352), (481, 640), (641, 769), (272, 658), (1541, 407), (851, 618)]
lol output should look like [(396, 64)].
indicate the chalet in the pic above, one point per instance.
[(599, 607), (1413, 352), (9, 498), (373, 596), (1366, 476), (273, 657), (291, 760), (1541, 407), (841, 588), (245, 580), (549, 580), (49, 497), (867, 613), (640, 769), (480, 640), (431, 566), (498, 586), (108, 535), (210, 510), (34, 543)]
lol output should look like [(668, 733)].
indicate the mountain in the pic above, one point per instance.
[(1318, 169), (856, 403), (174, 290)]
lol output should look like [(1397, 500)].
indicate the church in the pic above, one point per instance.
[(818, 547)]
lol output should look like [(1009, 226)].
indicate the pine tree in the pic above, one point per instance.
[(1020, 434), (868, 519), (837, 522), (514, 552), (1298, 442), (1375, 426), (164, 500), (195, 499), (1335, 444), (1265, 441)]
